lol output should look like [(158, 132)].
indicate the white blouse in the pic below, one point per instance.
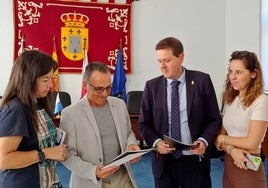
[(236, 117)]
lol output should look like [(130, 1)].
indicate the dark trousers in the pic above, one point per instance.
[(185, 172)]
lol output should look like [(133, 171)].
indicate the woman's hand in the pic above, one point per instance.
[(239, 157), (58, 153), (218, 142)]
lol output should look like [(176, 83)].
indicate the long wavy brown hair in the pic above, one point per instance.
[(29, 66), (255, 86)]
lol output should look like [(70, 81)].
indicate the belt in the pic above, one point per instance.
[(182, 156), (186, 157)]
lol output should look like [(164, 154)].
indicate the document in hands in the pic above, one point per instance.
[(179, 145), (126, 156), (60, 136)]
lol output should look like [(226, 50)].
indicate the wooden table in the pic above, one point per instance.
[(134, 119)]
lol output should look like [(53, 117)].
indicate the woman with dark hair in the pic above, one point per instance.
[(28, 147), (245, 117)]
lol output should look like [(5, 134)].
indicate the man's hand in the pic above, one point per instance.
[(201, 149), (134, 147), (105, 173), (163, 148)]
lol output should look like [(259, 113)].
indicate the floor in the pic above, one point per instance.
[(143, 172)]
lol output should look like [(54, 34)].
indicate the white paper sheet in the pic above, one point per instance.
[(60, 136), (126, 156)]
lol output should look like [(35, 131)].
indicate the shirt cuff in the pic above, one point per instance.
[(203, 140), (154, 145)]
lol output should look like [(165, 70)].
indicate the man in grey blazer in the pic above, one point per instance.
[(98, 129), (199, 120)]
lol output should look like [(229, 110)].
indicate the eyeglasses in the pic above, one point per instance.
[(250, 59), (241, 53), (99, 90), (236, 72)]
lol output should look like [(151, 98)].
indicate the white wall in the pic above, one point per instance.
[(242, 26), (6, 44), (264, 41), (210, 30)]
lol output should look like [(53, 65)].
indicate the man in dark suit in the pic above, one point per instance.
[(199, 120)]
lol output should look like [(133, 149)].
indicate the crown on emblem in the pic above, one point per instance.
[(74, 19)]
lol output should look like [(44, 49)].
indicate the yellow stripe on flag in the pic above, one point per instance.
[(55, 86)]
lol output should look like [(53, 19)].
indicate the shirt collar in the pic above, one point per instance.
[(181, 78)]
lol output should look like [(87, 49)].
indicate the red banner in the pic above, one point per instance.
[(98, 27)]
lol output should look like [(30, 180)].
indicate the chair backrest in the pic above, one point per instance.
[(65, 99), (134, 101)]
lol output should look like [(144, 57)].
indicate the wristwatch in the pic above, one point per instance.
[(41, 155)]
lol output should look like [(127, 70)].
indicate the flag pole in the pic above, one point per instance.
[(22, 42), (84, 64), (119, 78), (120, 49), (120, 44), (54, 55), (58, 94)]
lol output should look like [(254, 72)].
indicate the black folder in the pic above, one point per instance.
[(179, 145)]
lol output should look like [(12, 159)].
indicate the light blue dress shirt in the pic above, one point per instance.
[(185, 131)]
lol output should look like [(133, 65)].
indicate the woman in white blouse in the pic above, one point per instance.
[(245, 117)]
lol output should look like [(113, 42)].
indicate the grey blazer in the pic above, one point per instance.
[(84, 141)]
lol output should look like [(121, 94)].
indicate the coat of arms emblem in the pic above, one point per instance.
[(74, 35)]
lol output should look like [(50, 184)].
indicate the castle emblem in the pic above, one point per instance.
[(74, 35)]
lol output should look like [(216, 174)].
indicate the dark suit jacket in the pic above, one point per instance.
[(202, 109)]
